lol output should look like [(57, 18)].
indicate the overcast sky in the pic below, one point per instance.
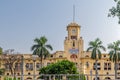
[(21, 21)]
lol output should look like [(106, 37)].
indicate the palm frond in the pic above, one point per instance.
[(117, 42), (37, 40), (111, 54), (114, 51), (93, 55), (95, 47), (91, 43), (88, 49), (97, 40), (43, 40), (48, 46), (102, 47), (34, 47), (110, 46)]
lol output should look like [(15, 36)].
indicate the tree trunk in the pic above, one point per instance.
[(115, 70), (41, 62), (96, 70), (11, 70)]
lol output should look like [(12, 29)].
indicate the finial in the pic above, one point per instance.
[(73, 13)]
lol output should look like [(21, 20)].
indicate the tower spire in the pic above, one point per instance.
[(73, 13)]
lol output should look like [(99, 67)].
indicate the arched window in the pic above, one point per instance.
[(73, 56), (60, 56), (97, 78), (107, 78), (73, 43), (29, 78)]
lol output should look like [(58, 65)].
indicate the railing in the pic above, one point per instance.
[(60, 77)]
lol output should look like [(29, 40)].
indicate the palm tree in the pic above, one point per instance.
[(114, 54), (96, 47), (40, 48)]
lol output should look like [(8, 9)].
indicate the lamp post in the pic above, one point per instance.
[(91, 73), (34, 59), (22, 68)]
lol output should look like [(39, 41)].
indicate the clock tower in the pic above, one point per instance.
[(73, 43)]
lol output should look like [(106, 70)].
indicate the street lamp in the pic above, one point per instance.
[(34, 59), (22, 67), (91, 73)]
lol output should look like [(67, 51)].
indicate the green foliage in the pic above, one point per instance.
[(114, 54), (1, 50), (9, 78), (40, 47), (96, 47), (2, 71), (61, 67), (115, 11)]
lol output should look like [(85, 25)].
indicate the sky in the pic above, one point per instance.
[(21, 21)]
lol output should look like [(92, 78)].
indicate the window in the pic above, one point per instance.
[(87, 56), (51, 55), (48, 63), (29, 73), (87, 64), (7, 67), (104, 56), (73, 56), (107, 73), (118, 73), (29, 66), (18, 73), (38, 66), (74, 37), (18, 66), (7, 73), (107, 66), (98, 66), (73, 43), (60, 56), (118, 66)]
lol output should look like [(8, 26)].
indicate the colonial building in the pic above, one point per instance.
[(73, 51)]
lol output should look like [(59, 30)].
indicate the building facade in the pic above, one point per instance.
[(73, 51)]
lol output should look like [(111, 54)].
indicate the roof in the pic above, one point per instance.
[(73, 24)]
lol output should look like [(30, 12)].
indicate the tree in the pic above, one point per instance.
[(40, 48), (114, 54), (61, 67), (115, 11), (9, 61), (96, 47), (1, 50)]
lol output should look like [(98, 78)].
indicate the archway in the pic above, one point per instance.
[(107, 78), (29, 78), (97, 78)]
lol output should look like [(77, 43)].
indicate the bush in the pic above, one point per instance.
[(9, 78)]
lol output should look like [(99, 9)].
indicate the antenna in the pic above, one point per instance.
[(73, 13)]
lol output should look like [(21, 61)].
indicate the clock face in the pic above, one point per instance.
[(73, 51), (73, 31)]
